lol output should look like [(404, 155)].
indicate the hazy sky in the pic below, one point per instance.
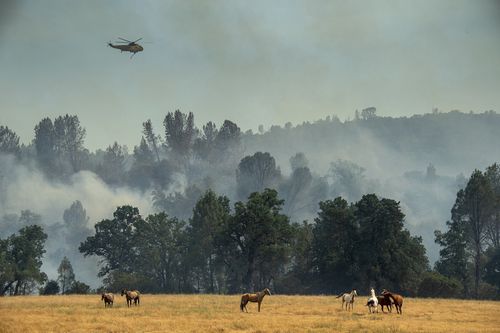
[(254, 62)]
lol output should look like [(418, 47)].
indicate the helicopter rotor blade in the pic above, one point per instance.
[(135, 41), (126, 40)]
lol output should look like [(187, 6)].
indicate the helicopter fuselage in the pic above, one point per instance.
[(134, 48)]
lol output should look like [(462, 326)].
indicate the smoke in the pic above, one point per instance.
[(395, 153), (26, 188)]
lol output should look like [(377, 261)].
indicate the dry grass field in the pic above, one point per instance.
[(210, 313)]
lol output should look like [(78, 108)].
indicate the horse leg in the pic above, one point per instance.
[(258, 306), (244, 306)]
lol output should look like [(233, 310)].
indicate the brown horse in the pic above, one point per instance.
[(108, 299), (257, 297), (397, 299), (385, 301), (131, 295)]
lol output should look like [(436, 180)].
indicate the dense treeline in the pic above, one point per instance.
[(254, 245), (197, 241)]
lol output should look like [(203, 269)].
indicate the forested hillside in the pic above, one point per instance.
[(417, 163)]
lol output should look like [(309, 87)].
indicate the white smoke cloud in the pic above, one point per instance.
[(26, 188)]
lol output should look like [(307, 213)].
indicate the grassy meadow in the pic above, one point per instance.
[(213, 313)]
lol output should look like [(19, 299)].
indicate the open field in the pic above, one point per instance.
[(212, 313)]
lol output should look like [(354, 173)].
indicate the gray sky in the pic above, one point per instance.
[(254, 62)]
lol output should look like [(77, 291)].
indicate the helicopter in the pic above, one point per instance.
[(129, 46)]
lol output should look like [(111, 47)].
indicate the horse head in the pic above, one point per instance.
[(354, 292), (102, 296), (124, 291), (267, 291)]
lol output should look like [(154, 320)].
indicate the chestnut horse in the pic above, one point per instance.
[(108, 299), (257, 297), (397, 299), (133, 295)]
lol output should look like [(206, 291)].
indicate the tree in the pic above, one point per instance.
[(159, 242), (300, 278), (492, 173), (228, 137), (112, 169), (389, 255), (179, 132), (492, 267), (299, 160), (114, 240), (334, 245), (296, 188), (177, 204), (51, 288), (348, 179), (453, 261), (59, 145), (66, 275), (75, 220), (79, 287), (261, 236), (369, 113), (45, 144), (430, 174), (22, 254), (142, 170), (7, 266), (257, 172), (69, 139), (474, 207), (436, 285), (205, 145), (9, 141), (210, 215), (152, 138)]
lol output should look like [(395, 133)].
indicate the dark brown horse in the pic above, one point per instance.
[(108, 299), (397, 299), (131, 295), (385, 301), (257, 297)]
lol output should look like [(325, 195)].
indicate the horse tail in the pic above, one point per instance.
[(339, 296), (243, 302)]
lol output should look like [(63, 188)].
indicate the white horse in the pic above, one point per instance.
[(372, 302), (348, 299)]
